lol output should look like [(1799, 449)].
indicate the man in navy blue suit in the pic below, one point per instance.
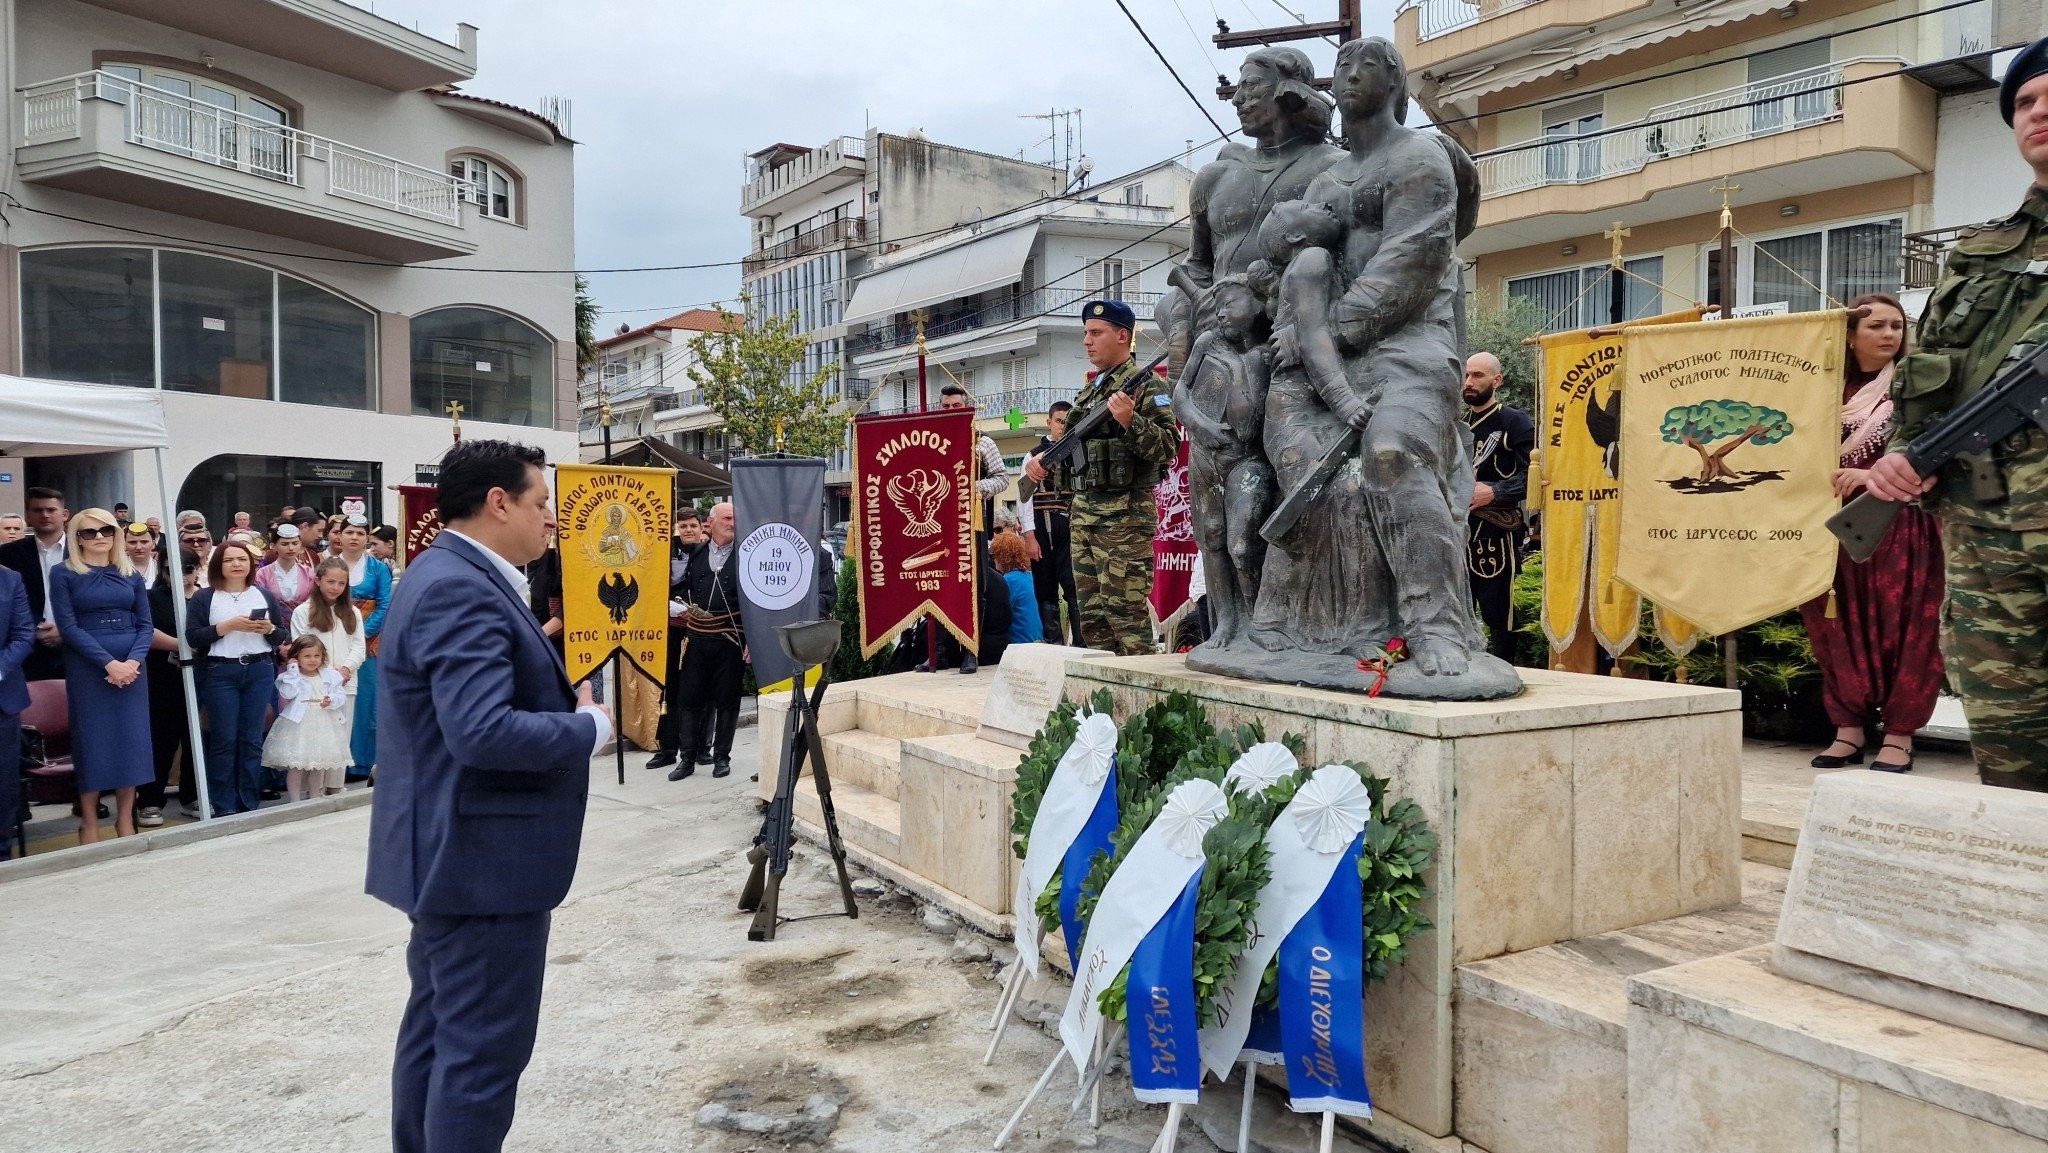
[(483, 759), (17, 640)]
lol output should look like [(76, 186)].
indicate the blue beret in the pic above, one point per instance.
[(1114, 311), (2031, 62)]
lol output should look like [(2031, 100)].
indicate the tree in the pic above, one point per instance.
[(1698, 425), (586, 325), (1501, 331), (748, 373)]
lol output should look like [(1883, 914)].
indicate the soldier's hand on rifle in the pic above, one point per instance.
[(1033, 469), (1892, 477), (1122, 406)]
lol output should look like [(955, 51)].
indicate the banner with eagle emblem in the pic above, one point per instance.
[(1578, 435), (913, 528), (614, 525)]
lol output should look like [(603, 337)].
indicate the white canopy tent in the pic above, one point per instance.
[(40, 418)]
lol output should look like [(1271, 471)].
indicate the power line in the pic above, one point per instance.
[(1620, 84), (1168, 64), (1200, 44)]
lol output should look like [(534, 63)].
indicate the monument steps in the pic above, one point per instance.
[(864, 816), (869, 760), (1541, 1036)]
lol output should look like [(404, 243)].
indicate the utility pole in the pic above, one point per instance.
[(1346, 27)]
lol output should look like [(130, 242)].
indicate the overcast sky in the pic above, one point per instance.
[(670, 97)]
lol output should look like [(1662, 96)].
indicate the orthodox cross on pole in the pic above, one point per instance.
[(1616, 235), (1727, 188), (455, 414)]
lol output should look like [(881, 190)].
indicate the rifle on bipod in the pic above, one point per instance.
[(1063, 450), (2018, 397), (807, 645)]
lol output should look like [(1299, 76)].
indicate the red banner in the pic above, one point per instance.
[(913, 528), (1174, 554), (421, 505)]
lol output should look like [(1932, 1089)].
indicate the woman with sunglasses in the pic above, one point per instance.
[(102, 613), (228, 624)]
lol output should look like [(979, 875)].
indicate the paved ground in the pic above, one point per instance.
[(242, 994)]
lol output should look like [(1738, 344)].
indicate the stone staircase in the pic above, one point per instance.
[(917, 794)]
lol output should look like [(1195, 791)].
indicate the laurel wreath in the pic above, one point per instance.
[(1173, 741)]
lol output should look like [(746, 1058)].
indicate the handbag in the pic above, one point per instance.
[(34, 754)]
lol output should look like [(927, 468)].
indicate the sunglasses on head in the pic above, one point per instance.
[(96, 533)]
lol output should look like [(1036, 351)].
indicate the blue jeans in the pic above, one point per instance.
[(236, 698)]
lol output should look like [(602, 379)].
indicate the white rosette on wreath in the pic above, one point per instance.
[(1260, 768)]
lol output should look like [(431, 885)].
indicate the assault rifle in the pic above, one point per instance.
[(1064, 449), (2008, 404)]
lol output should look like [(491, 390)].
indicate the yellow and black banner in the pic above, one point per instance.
[(1729, 434), (614, 526), (1580, 490)]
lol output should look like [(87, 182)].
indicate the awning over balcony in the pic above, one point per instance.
[(1565, 52), (976, 266)]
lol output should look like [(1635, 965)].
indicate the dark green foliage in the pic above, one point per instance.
[(1041, 757), (1775, 667), (1532, 649), (847, 664), (1501, 331), (1711, 420)]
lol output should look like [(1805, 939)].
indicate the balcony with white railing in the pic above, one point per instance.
[(117, 138), (835, 163)]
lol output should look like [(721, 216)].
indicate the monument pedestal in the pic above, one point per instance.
[(1584, 805)]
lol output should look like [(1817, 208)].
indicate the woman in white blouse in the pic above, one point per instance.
[(330, 614)]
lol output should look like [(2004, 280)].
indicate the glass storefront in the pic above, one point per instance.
[(189, 322), (497, 368), (262, 485)]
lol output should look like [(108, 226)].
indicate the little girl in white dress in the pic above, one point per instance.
[(311, 733)]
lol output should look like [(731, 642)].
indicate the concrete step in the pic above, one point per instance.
[(865, 817), (921, 704), (867, 760), (1541, 1037)]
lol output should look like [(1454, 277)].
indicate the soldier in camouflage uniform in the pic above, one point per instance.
[(1989, 309), (1113, 513)]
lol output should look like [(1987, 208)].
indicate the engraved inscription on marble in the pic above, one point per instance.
[(1028, 684), (1940, 882)]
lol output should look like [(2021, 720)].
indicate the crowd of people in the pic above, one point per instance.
[(282, 624)]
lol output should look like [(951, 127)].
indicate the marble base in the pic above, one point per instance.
[(1583, 805), (1488, 678), (1988, 1017), (1726, 1054)]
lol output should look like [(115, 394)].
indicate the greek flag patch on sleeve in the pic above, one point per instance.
[(1161, 401)]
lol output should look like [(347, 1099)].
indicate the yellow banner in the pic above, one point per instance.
[(1729, 434), (1580, 495), (615, 552)]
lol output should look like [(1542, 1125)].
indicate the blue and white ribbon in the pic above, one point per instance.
[(1072, 803), (1307, 842), (1093, 838), (1145, 886), (1159, 1007), (1322, 999)]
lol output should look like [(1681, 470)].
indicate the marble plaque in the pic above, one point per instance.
[(1944, 883), (1027, 686)]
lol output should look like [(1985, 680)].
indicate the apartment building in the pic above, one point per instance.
[(645, 376), (1002, 303), (279, 214), (822, 215), (1859, 135)]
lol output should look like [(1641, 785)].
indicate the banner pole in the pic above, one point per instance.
[(1727, 188), (1329, 1132), (618, 735)]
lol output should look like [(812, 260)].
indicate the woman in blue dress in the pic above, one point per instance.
[(101, 610), (369, 582)]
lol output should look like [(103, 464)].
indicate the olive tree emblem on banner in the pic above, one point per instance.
[(614, 525), (1729, 435)]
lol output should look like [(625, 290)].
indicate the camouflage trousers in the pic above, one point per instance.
[(1995, 638), (1112, 557)]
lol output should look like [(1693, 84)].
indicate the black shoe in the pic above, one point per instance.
[(1884, 766), (1824, 761), (272, 794), (704, 758), (681, 771), (661, 759), (722, 769), (969, 666), (924, 667)]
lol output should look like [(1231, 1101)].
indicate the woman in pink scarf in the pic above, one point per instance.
[(1877, 632)]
